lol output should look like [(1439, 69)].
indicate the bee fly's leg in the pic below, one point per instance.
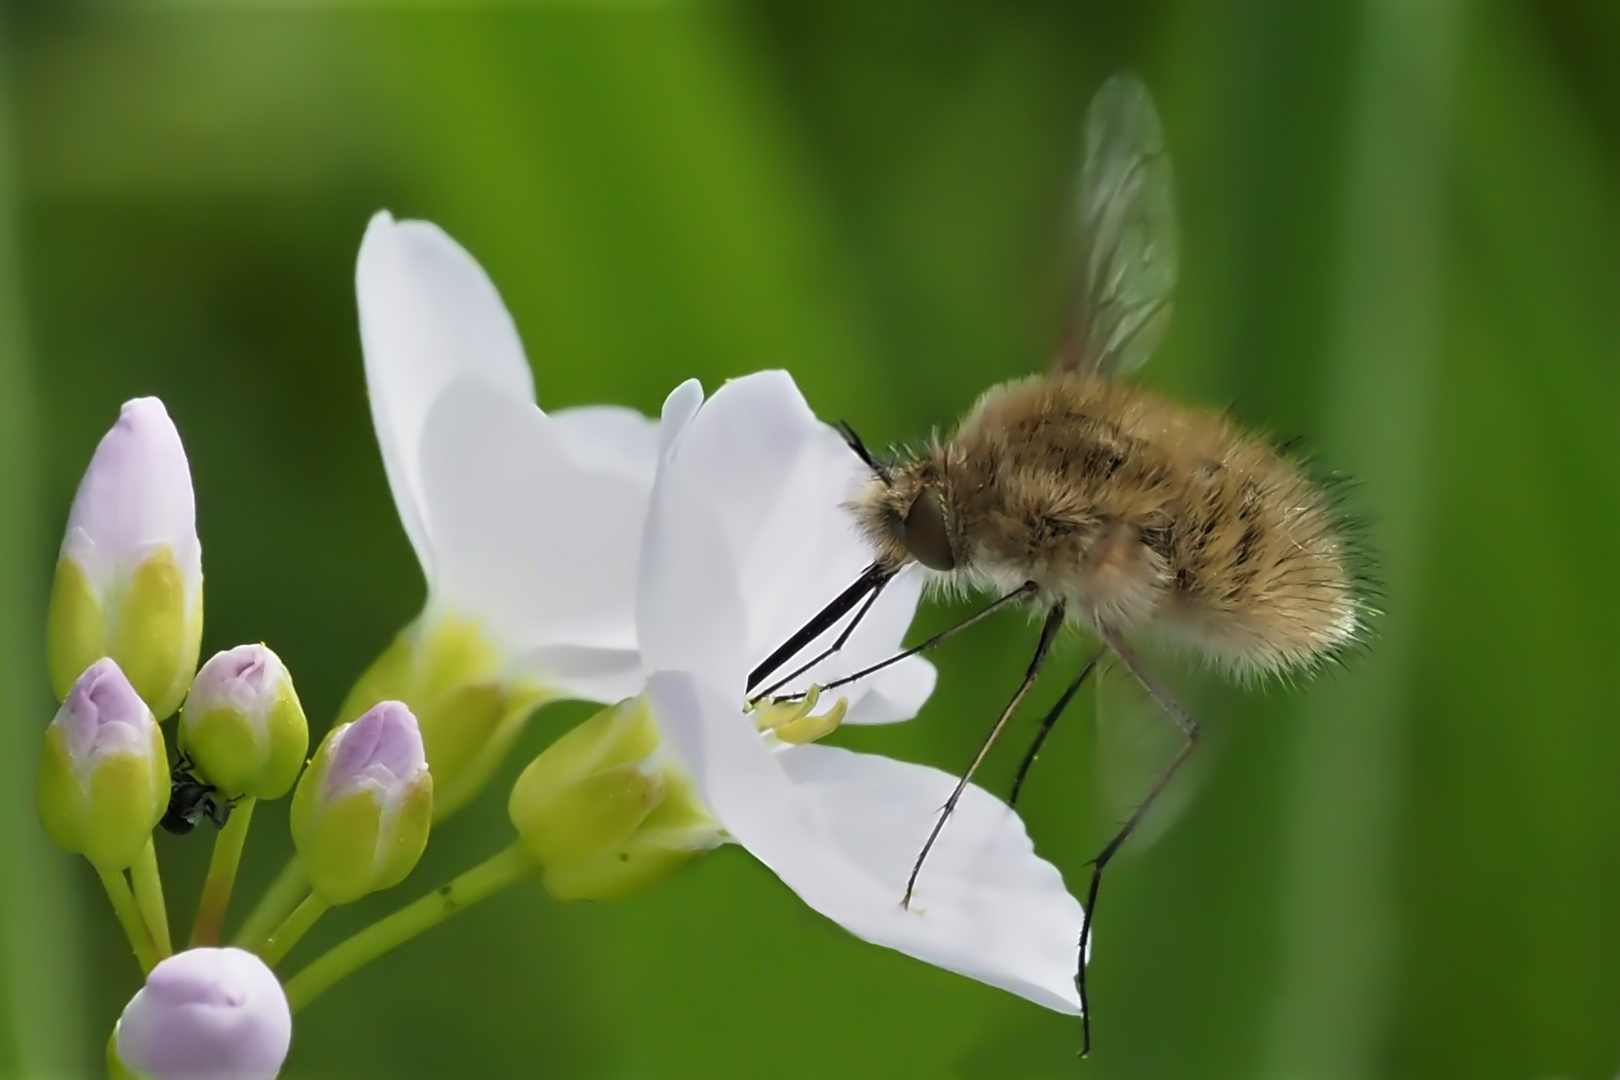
[(1026, 589), (838, 644), (1054, 622), (1189, 728), (1047, 723)]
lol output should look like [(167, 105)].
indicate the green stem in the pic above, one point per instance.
[(216, 893), (129, 916), (487, 878), (285, 936), (276, 904), (149, 898)]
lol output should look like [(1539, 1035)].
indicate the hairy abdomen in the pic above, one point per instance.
[(1146, 514)]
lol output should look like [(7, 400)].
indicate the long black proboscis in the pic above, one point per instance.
[(838, 643), (870, 579)]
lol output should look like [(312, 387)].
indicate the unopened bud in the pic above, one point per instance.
[(217, 1014), (129, 578), (361, 814), (103, 773), (469, 711), (602, 815), (243, 726)]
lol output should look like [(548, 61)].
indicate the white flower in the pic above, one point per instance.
[(206, 1014), (529, 525), (533, 528), (745, 538)]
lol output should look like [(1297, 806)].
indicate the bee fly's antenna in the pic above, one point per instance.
[(872, 580), (856, 444)]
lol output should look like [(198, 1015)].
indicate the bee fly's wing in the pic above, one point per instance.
[(1127, 241), (1135, 741)]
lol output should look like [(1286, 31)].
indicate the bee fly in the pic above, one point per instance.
[(1108, 507), (191, 800)]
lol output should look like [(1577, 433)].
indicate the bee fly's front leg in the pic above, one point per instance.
[(1189, 728), (1054, 621)]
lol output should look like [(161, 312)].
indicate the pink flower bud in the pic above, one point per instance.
[(206, 1014)]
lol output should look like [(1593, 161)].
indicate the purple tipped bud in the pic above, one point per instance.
[(102, 716), (129, 580), (206, 1014), (242, 724), (361, 813), (380, 752), (103, 774)]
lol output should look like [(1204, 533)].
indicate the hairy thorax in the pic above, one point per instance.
[(1137, 513)]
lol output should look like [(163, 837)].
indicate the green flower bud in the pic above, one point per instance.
[(453, 680), (361, 814), (603, 815), (129, 579), (103, 773), (243, 726)]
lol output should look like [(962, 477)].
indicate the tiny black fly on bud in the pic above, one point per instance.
[(192, 799)]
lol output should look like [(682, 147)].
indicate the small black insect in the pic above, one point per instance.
[(191, 800)]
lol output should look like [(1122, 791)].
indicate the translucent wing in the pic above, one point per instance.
[(1127, 243), (1135, 742)]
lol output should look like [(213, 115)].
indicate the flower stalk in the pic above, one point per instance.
[(293, 928), (278, 901), (148, 884), (216, 893), (129, 917), (503, 869)]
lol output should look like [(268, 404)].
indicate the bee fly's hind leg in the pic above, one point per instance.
[(1047, 723), (1054, 622), (1189, 728)]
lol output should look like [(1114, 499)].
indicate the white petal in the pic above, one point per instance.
[(842, 829), (690, 617), (611, 438), (428, 316), (741, 446), (583, 672), (679, 408), (542, 551), (797, 544)]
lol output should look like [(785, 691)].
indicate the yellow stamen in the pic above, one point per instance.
[(792, 722)]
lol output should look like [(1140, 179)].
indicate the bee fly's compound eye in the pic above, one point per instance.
[(925, 534)]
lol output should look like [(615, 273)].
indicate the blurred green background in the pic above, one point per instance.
[(1401, 241)]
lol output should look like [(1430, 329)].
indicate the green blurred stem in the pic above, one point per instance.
[(296, 925), (277, 903), (129, 916), (149, 898), (216, 893), (486, 879)]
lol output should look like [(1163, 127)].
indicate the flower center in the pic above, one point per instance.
[(797, 722)]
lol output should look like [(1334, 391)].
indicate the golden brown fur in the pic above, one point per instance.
[(1138, 513)]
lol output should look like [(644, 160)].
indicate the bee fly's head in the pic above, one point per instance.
[(904, 512)]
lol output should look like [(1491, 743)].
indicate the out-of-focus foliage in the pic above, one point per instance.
[(1401, 242)]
